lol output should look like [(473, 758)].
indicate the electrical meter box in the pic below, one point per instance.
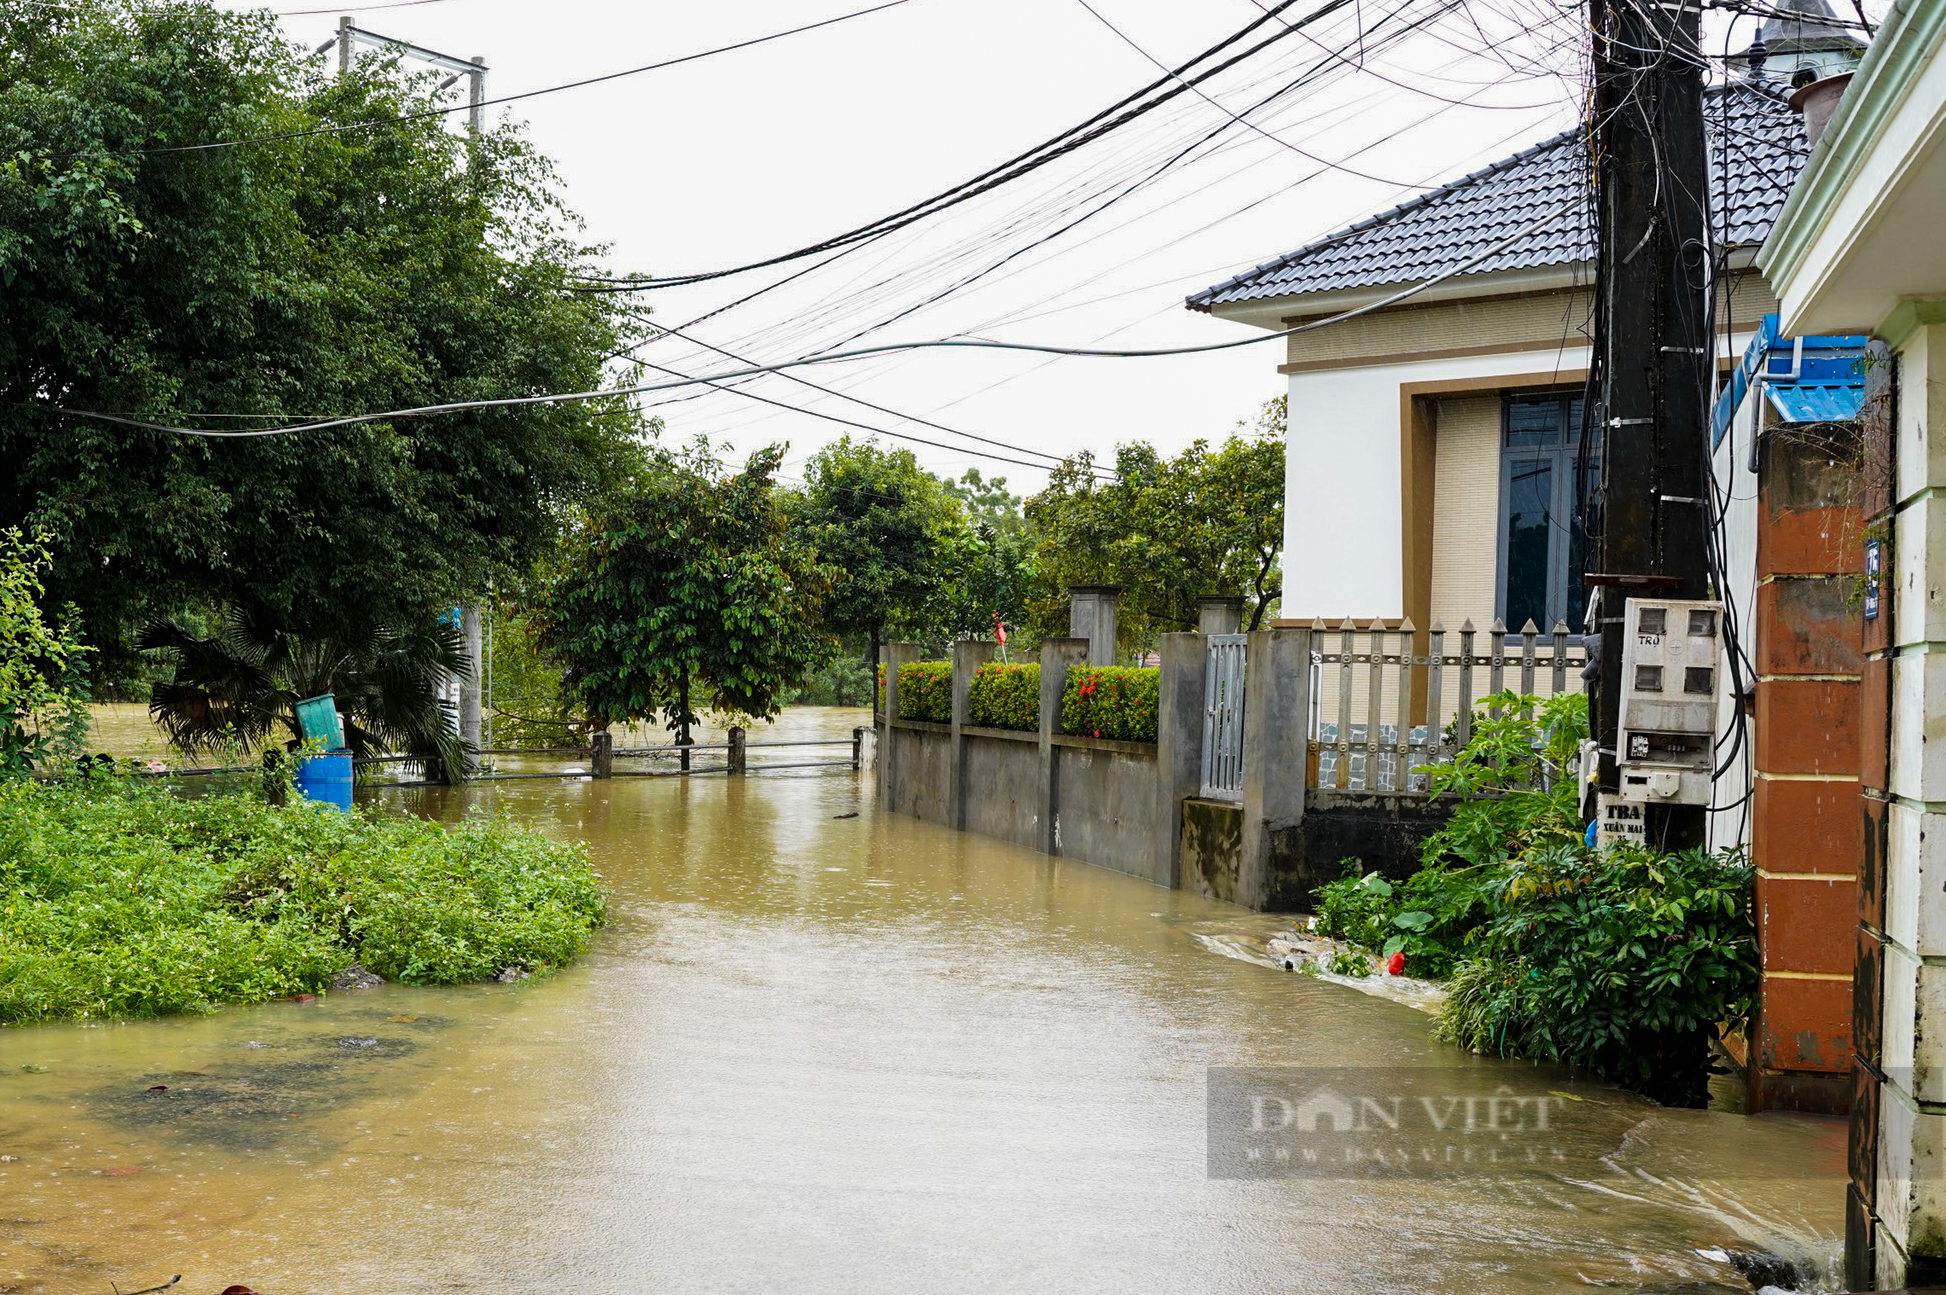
[(1670, 651)]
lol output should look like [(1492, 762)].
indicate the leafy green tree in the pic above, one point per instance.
[(387, 266), (988, 502), (987, 575), (695, 587), (1169, 531), (242, 684), (43, 667), (890, 530)]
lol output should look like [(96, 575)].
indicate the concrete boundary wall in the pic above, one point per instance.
[(1085, 798), (1133, 806)]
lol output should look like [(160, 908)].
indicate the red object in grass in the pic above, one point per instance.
[(1396, 965)]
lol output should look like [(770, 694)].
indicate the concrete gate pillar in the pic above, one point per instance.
[(1092, 612), (968, 657), (1276, 706), (1219, 614), (1178, 745), (1056, 656), (894, 655)]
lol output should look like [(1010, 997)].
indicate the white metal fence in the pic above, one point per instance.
[(1386, 699), (1223, 717)]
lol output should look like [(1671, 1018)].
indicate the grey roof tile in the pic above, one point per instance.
[(1752, 130)]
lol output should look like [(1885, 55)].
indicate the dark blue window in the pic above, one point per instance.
[(1547, 489)]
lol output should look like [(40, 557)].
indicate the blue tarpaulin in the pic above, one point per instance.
[(1806, 380)]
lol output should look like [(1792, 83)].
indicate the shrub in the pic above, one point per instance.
[(926, 691), (1514, 797), (1514, 780), (43, 666), (1111, 701), (1006, 696), (1427, 917), (125, 900), (1626, 964)]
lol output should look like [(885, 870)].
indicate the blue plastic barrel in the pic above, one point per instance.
[(326, 778)]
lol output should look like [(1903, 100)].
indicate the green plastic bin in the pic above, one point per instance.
[(317, 717)]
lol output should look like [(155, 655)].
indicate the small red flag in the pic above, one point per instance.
[(999, 630)]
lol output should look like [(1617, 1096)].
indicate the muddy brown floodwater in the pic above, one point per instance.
[(816, 1053)]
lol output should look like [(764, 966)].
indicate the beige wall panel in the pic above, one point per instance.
[(1466, 511)]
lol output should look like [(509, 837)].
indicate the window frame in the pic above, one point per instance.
[(1559, 454)]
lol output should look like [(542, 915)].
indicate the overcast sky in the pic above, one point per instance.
[(759, 151)]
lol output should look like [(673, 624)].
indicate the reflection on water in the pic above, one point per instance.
[(829, 1054)]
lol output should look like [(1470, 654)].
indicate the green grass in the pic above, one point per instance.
[(118, 899)]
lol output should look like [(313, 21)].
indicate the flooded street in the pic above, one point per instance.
[(820, 1053)]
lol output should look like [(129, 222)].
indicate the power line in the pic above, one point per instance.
[(847, 422), (511, 402), (350, 127), (1129, 41), (859, 400), (1311, 81), (1111, 118)]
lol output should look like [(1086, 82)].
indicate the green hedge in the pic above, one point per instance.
[(926, 691), (1111, 701), (1006, 696)]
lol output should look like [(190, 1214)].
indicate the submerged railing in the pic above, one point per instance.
[(596, 761)]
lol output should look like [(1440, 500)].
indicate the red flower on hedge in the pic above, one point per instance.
[(1396, 966)]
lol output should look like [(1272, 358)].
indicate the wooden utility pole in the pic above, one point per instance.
[(1653, 341)]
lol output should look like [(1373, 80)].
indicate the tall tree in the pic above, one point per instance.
[(694, 591), (988, 501), (889, 530), (1209, 521), (987, 575), (155, 266)]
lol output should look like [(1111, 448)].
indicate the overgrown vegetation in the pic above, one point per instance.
[(126, 900), (1006, 696), (43, 667), (237, 689), (926, 691), (1111, 701), (1626, 962)]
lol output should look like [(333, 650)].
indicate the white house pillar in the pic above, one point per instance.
[(1899, 1207)]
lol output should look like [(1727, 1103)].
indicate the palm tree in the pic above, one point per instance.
[(242, 684)]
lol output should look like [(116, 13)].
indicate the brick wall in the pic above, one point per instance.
[(1806, 836)]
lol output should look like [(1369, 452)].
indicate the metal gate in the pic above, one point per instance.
[(1223, 718)]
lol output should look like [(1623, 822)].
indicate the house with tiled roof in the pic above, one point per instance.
[(1434, 441), (1438, 469)]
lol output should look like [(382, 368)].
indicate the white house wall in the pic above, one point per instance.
[(1343, 502), (1729, 822)]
